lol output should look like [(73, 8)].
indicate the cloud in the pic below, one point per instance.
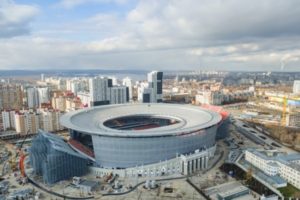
[(69, 4), (15, 18), (170, 34)]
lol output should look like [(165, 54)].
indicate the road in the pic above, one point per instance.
[(259, 136)]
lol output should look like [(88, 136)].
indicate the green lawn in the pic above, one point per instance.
[(290, 191)]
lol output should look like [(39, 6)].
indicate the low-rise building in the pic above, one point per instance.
[(275, 163), (85, 186)]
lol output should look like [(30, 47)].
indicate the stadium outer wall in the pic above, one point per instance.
[(119, 152), (123, 152)]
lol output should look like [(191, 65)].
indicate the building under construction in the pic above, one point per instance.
[(54, 159)]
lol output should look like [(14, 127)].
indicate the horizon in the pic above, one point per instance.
[(147, 70)]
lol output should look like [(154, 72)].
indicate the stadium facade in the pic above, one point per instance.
[(132, 135), (53, 159), (144, 139)]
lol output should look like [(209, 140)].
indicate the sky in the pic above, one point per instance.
[(250, 35)]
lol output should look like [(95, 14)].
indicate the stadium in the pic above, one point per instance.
[(130, 140), (130, 135)]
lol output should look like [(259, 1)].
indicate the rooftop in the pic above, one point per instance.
[(272, 180), (232, 191), (59, 144), (88, 183), (190, 118), (283, 158)]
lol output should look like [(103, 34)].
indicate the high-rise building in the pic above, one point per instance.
[(43, 95), (76, 85), (73, 104), (32, 97), (59, 103), (114, 80), (296, 87), (145, 94), (1, 123), (10, 96), (155, 80), (43, 77), (50, 120), (12, 114), (119, 95), (27, 121), (8, 118), (128, 83), (99, 88), (37, 96), (85, 98), (57, 83), (151, 91)]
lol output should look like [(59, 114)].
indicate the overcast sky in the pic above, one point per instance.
[(150, 34)]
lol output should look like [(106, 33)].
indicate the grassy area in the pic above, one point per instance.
[(290, 191)]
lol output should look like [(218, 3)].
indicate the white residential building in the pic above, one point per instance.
[(145, 94), (76, 85), (37, 96), (103, 92), (128, 83), (155, 80), (119, 95), (85, 98), (296, 87), (32, 97), (6, 120), (273, 163), (43, 95), (114, 80), (99, 88)]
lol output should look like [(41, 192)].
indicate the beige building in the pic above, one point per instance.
[(57, 83), (73, 104), (209, 97), (27, 121), (50, 120), (59, 103)]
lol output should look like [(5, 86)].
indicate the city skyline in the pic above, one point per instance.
[(149, 35)]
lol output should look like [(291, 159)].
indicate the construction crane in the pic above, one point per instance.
[(284, 107), (13, 160)]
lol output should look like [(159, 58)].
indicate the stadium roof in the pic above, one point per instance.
[(191, 118)]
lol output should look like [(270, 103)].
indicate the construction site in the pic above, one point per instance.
[(277, 116)]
